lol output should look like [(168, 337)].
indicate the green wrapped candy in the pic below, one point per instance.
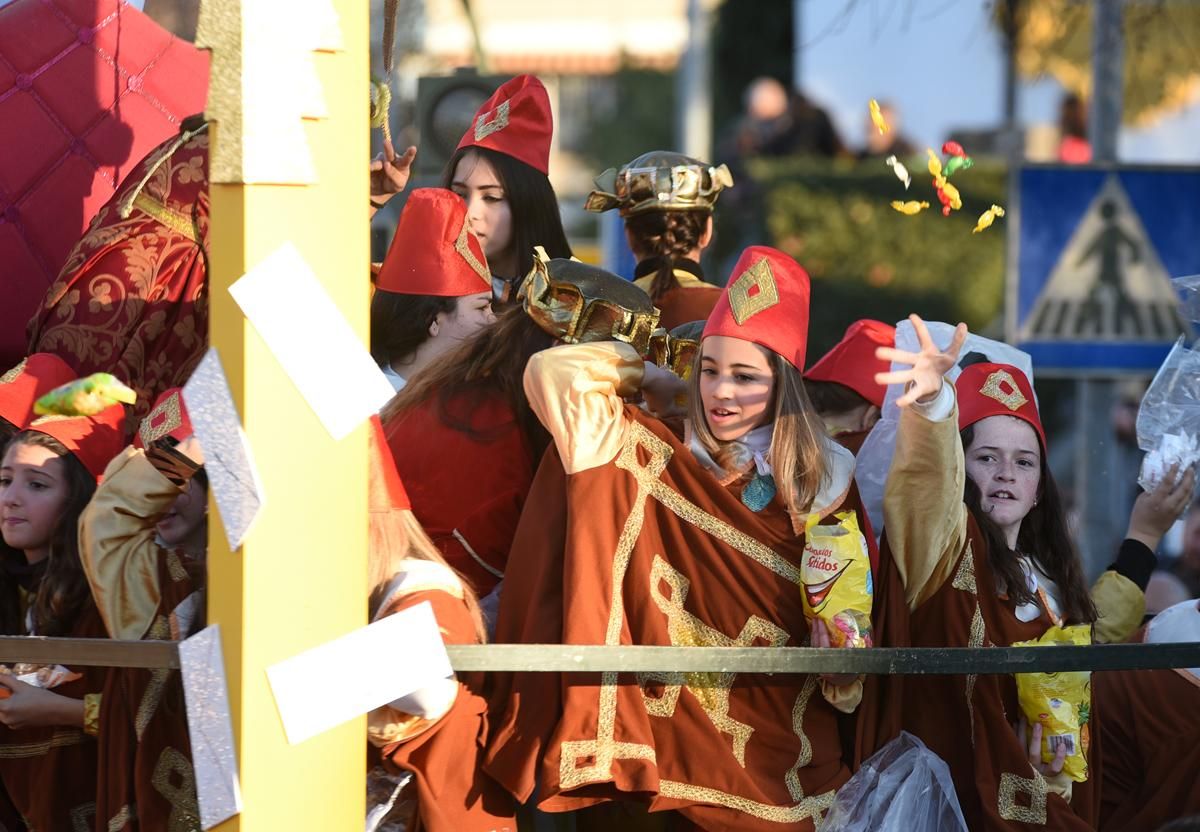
[(84, 397), (957, 163)]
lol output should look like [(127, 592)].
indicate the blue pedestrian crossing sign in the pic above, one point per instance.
[(1090, 286)]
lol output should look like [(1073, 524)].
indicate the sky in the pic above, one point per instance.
[(942, 65)]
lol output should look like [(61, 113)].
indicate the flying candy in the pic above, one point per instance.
[(935, 164), (898, 168), (987, 218), (954, 149), (911, 207), (957, 163), (948, 196), (84, 397), (877, 117)]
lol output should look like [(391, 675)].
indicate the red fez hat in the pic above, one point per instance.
[(168, 417), (27, 382), (515, 121), (94, 440), (385, 492), (852, 362), (766, 302), (434, 251), (996, 390)]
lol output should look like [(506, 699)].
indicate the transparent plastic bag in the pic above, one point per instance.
[(1168, 421), (904, 787)]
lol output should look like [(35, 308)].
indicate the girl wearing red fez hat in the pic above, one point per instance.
[(842, 383), (977, 531), (434, 288), (635, 533), (47, 476), (433, 732), (501, 169), (143, 540)]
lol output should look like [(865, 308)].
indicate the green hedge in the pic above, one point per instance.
[(866, 259)]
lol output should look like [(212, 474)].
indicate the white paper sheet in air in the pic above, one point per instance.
[(358, 672), (306, 332)]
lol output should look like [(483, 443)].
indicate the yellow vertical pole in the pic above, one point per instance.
[(300, 577)]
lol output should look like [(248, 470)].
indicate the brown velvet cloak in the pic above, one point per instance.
[(650, 549)]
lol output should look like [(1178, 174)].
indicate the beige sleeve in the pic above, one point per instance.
[(117, 543), (923, 511), (1120, 607), (843, 697), (576, 391)]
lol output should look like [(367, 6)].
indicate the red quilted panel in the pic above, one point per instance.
[(87, 89)]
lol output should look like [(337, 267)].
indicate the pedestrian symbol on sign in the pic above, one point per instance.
[(1108, 283)]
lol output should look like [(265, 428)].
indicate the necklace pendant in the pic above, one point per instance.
[(759, 492)]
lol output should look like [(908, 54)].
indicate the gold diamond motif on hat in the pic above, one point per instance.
[(753, 291), (1002, 387)]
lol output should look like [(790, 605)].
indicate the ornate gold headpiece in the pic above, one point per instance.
[(579, 304), (676, 350), (659, 181)]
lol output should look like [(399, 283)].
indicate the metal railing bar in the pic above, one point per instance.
[(891, 661)]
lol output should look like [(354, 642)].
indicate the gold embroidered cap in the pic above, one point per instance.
[(659, 181), (579, 304)]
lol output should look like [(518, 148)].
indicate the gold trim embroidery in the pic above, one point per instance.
[(172, 418), (1010, 786), (588, 761), (175, 567), (11, 376), (52, 417), (185, 808), (463, 246), (811, 807), (792, 778), (83, 817), (61, 738), (173, 220), (1012, 398), (746, 305), (117, 822), (711, 690), (485, 128), (150, 700), (964, 576)]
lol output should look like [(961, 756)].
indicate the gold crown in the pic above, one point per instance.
[(579, 304), (659, 181), (676, 350)]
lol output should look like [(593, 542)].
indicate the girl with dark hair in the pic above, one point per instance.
[(434, 288), (501, 169), (978, 534), (465, 440), (639, 536), (667, 201), (47, 748)]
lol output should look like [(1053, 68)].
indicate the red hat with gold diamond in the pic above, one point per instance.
[(168, 417), (434, 251), (852, 362), (515, 121), (765, 302), (94, 440), (996, 390), (27, 382)]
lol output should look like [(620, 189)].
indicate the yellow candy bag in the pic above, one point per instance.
[(1060, 702), (836, 573)]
